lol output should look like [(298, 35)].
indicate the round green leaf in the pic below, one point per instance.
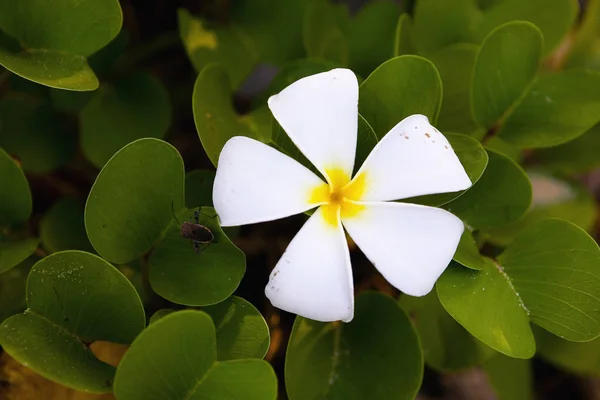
[(12, 288), (181, 275), (400, 87), (73, 298), (447, 346), (15, 197), (36, 134), (163, 312), (501, 196), (403, 39), (230, 47), (242, 332), (198, 188), (467, 253), (176, 356), (132, 201), (216, 120), (376, 356), (136, 107), (577, 357), (555, 267), (557, 109), (504, 69), (63, 228), (14, 252), (486, 304)]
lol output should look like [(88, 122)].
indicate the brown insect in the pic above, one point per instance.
[(197, 233)]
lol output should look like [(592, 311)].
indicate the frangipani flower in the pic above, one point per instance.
[(409, 244)]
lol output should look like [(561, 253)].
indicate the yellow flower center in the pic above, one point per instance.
[(339, 197)]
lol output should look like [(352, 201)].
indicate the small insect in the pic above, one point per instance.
[(197, 233)]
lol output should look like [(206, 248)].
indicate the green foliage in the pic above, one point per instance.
[(510, 377), (63, 228), (15, 198), (201, 376)]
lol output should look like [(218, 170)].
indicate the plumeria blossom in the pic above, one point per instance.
[(409, 244)]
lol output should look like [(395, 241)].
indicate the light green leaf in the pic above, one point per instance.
[(511, 378), (376, 356), (231, 47), (467, 253), (63, 227), (400, 87), (135, 107), (15, 197), (35, 133), (501, 196), (13, 252), (187, 367), (504, 70), (181, 275), (132, 201), (73, 298), (558, 108)]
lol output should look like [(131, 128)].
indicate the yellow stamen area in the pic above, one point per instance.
[(339, 196)]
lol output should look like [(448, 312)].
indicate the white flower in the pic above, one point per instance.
[(409, 244)]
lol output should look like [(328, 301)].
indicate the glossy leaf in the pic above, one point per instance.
[(187, 368), (504, 69), (180, 274), (377, 355), (15, 197), (242, 332), (486, 304), (63, 228), (230, 47), (198, 188), (511, 378), (135, 107), (400, 87), (132, 201), (13, 252), (447, 346), (558, 108), (36, 134), (501, 196), (467, 253), (73, 298)]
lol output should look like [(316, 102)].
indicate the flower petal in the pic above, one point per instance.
[(320, 114), (412, 159), (410, 245), (313, 278), (256, 183)]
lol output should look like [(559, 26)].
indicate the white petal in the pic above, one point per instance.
[(313, 278), (409, 244), (412, 159), (320, 114), (256, 183)]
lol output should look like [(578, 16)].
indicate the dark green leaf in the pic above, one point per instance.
[(578, 357), (63, 228), (403, 42), (13, 252), (198, 188), (12, 288), (511, 378), (15, 197)]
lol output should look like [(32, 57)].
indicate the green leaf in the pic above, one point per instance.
[(53, 52), (322, 33), (584, 50), (187, 368), (132, 201), (242, 332), (13, 252), (554, 22), (15, 197), (216, 120), (400, 87), (403, 39), (558, 108), (183, 276), (555, 267), (198, 188), (163, 312), (135, 107), (501, 196), (504, 70), (376, 356), (229, 46), (73, 298), (12, 288), (35, 133), (486, 304), (577, 156), (447, 346), (552, 198), (511, 378), (365, 142), (473, 158), (63, 227), (455, 64), (577, 357), (467, 253), (439, 23)]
